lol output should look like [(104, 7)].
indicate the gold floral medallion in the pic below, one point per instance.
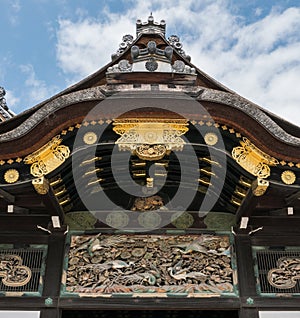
[(288, 177), (11, 176)]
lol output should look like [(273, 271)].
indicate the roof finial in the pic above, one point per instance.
[(150, 26)]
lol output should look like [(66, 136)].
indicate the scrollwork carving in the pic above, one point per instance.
[(286, 274), (13, 273)]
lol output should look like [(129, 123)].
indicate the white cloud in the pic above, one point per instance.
[(85, 46), (258, 60), (12, 100), (37, 90), (15, 8)]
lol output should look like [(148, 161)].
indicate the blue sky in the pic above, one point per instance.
[(251, 46)]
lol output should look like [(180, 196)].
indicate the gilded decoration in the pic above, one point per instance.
[(150, 139), (211, 138), (48, 157), (288, 177), (152, 265), (13, 273), (253, 160), (41, 185), (90, 138), (153, 202), (286, 274), (11, 176), (259, 187)]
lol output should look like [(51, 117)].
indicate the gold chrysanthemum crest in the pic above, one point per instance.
[(288, 177), (11, 176)]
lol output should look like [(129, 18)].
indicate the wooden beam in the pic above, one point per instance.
[(130, 303), (11, 223), (283, 222), (7, 196), (51, 203), (247, 207)]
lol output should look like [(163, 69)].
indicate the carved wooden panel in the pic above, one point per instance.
[(278, 271), (152, 265), (21, 270)]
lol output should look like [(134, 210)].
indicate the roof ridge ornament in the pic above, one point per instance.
[(174, 41), (5, 113), (150, 26), (127, 40)]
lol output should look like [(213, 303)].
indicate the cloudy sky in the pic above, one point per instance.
[(251, 46)]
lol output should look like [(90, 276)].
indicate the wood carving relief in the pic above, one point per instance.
[(13, 273), (153, 265), (287, 273)]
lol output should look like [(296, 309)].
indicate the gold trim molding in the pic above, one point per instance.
[(259, 187), (253, 160), (48, 157), (41, 185), (151, 138)]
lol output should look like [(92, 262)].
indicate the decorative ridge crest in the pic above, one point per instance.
[(151, 58), (150, 26), (5, 113)]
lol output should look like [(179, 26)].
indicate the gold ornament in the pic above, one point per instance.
[(11, 176), (41, 185), (253, 160), (259, 187), (48, 157), (288, 177), (90, 138), (151, 138), (211, 138)]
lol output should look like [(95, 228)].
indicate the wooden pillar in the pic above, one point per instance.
[(246, 277), (54, 267), (51, 313), (248, 313)]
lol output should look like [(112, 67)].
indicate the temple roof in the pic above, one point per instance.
[(151, 102)]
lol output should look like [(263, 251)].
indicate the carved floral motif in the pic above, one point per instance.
[(149, 264), (286, 274), (13, 273)]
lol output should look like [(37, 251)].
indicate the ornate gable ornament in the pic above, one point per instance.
[(150, 139), (151, 58)]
